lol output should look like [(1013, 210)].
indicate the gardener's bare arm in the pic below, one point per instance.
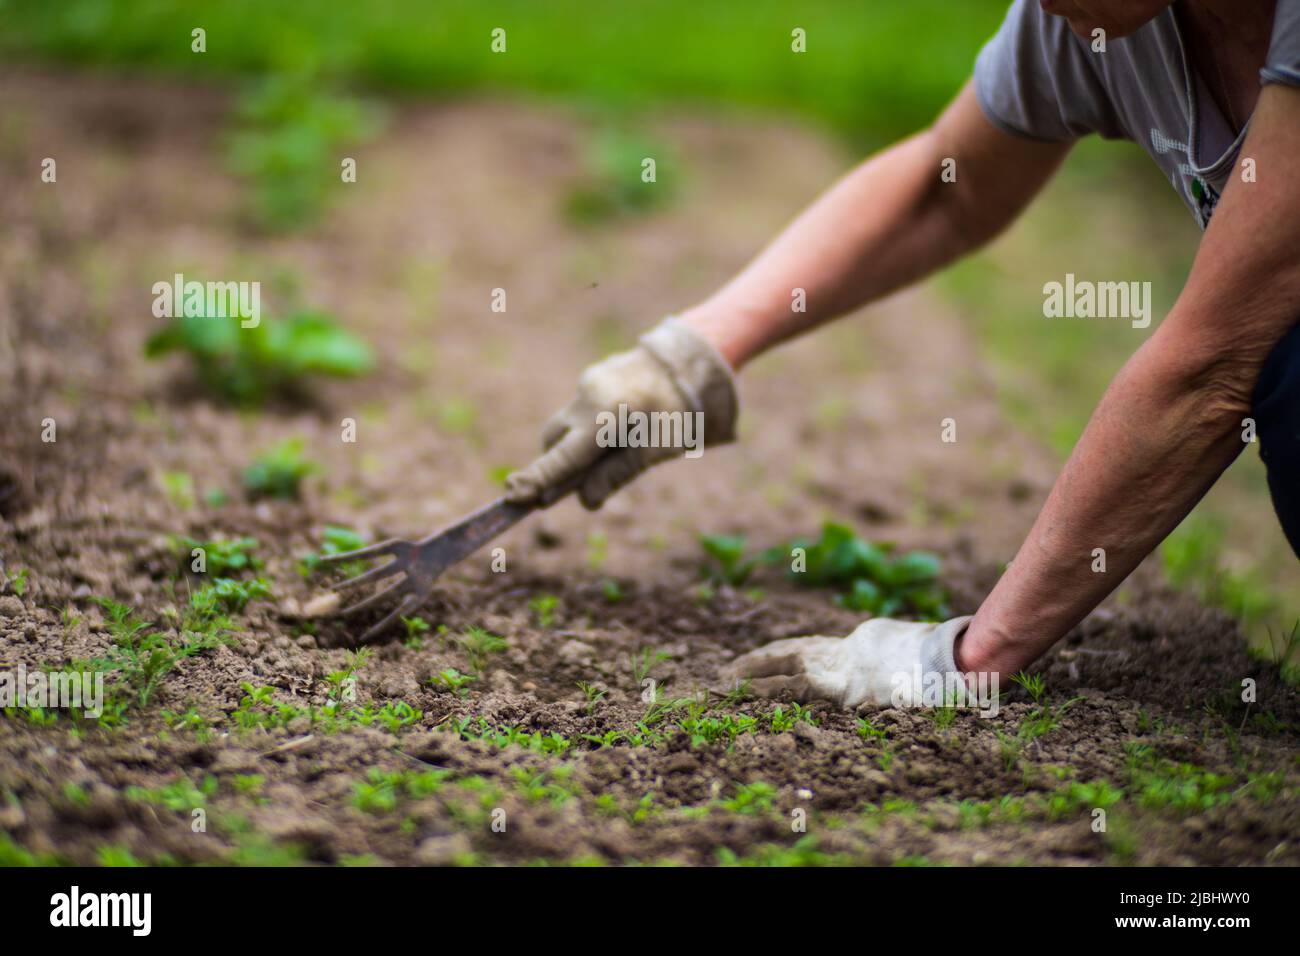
[(888, 223), (1171, 421)]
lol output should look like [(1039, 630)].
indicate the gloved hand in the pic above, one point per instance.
[(878, 664), (673, 369)]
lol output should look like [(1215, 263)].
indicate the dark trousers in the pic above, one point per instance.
[(1276, 409)]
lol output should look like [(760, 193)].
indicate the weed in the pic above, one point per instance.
[(382, 790), (17, 582), (613, 187), (142, 655), (416, 628), (868, 576), (286, 144), (726, 563), (803, 852), (181, 795), (751, 798), (279, 472), (222, 557), (340, 685), (335, 540), (227, 594), (478, 645), (274, 359), (642, 661), (452, 680), (544, 607), (593, 694), (178, 486), (554, 785)]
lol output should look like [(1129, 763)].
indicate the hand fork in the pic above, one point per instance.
[(420, 562)]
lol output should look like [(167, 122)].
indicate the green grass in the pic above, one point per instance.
[(871, 71)]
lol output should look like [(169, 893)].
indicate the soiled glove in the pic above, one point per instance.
[(879, 663), (673, 369)]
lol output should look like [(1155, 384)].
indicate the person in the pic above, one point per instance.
[(1211, 90)]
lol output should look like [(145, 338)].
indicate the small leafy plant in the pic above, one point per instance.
[(279, 471), (222, 557), (478, 645), (726, 563), (273, 359)]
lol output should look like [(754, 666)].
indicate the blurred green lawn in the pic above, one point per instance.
[(873, 71)]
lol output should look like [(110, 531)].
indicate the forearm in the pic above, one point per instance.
[(881, 227), (1162, 434)]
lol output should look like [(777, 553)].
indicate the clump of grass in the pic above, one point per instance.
[(279, 471), (274, 359)]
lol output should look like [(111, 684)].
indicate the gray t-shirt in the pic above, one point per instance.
[(1036, 78)]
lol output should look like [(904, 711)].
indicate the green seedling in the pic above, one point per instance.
[(249, 784), (452, 680), (341, 684), (181, 795), (751, 798), (544, 607), (642, 661), (611, 590), (597, 550), (17, 582), (554, 785), (478, 645), (1033, 684), (279, 472), (220, 557), (274, 359), (382, 790), (726, 563), (178, 486), (228, 594), (335, 540), (416, 628), (593, 694), (142, 655), (868, 576)]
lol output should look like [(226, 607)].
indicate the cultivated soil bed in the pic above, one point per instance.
[(1143, 702)]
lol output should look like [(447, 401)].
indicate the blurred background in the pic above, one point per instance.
[(282, 89)]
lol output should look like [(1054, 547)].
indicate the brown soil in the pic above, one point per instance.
[(453, 202)]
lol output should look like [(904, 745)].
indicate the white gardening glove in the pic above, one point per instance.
[(673, 369), (880, 663)]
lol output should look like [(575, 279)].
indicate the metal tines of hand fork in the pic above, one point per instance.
[(420, 562)]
